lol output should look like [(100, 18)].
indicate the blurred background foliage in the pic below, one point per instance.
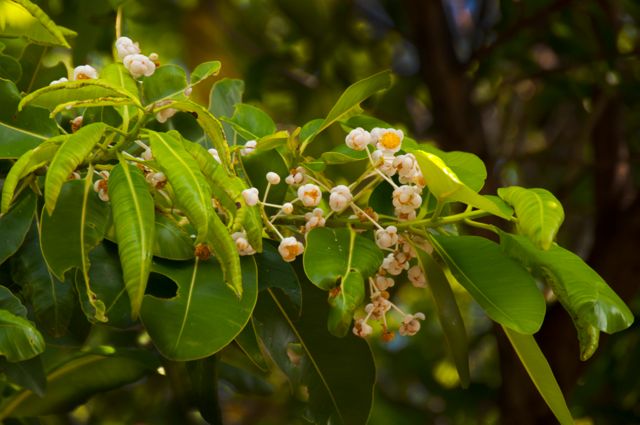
[(547, 92)]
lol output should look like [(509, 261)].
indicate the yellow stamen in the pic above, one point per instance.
[(390, 140)]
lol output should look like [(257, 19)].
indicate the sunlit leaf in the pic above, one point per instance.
[(204, 71), (206, 314), (22, 18), (167, 82), (133, 217), (588, 299), (69, 156), (539, 213), (502, 287), (541, 374)]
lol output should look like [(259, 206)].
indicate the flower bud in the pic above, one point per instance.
[(251, 196)]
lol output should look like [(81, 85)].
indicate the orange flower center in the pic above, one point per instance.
[(390, 140), (82, 76)]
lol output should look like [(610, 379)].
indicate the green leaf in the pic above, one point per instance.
[(10, 68), (107, 282), (352, 96), (193, 196), (78, 223), (251, 122), (67, 158), (167, 82), (118, 75), (227, 189), (342, 154), (539, 213), (133, 217), (445, 185), (590, 302), (224, 96), (27, 164), (258, 164), (15, 224), (76, 380), (22, 18), (247, 340), (274, 272), (203, 388), (466, 166), (331, 254), (204, 71), (171, 241), (51, 97), (541, 374), (503, 288), (24, 130), (11, 303), (28, 374), (211, 127), (448, 313), (205, 314), (341, 256), (19, 339), (52, 301), (338, 373)]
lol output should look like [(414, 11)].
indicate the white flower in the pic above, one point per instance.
[(287, 208), (410, 324), (358, 139), (147, 155), (154, 57), (125, 47), (61, 80), (157, 180), (340, 198), (361, 328), (310, 195), (417, 277), (406, 198), (379, 306), (314, 219), (76, 123), (139, 65), (407, 167), (290, 248), (387, 238), (395, 263), (251, 196), (383, 282), (163, 115), (85, 72), (295, 177), (244, 248), (273, 178), (249, 147), (101, 186), (214, 154), (383, 160), (405, 216), (387, 139)]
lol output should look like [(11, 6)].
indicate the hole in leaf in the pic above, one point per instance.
[(161, 286)]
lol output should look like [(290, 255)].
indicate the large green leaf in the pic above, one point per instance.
[(247, 340), (541, 374), (203, 388), (78, 223), (11, 303), (590, 302), (51, 97), (258, 164), (107, 282), (342, 258), (133, 217), (274, 272), (85, 374), (193, 196), (466, 166), (539, 213), (502, 287), (25, 165), (28, 374), (118, 75), (69, 156), (445, 185), (338, 373), (448, 313), (167, 82), (227, 189), (251, 122), (22, 18), (171, 241), (52, 301), (15, 224), (224, 96), (24, 130), (205, 315), (19, 339), (10, 68), (351, 97)]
